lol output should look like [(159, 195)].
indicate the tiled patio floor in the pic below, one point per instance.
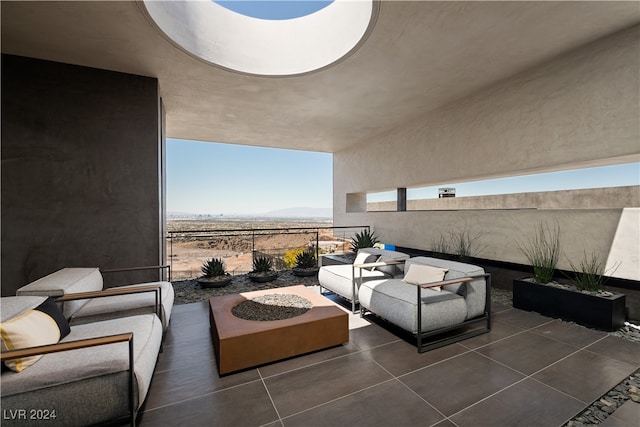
[(528, 371)]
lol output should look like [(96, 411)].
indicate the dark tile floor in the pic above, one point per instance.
[(528, 371)]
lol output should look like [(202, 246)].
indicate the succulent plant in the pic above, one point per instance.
[(306, 259), (364, 239), (262, 264), (213, 267)]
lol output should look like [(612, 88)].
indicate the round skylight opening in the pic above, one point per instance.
[(274, 10), (265, 46)]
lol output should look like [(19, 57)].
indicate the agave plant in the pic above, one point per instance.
[(306, 259), (213, 268), (364, 239), (262, 264)]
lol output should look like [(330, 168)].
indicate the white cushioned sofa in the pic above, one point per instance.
[(99, 372), (451, 296), (343, 280), (105, 306)]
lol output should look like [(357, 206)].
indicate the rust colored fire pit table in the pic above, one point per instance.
[(241, 344)]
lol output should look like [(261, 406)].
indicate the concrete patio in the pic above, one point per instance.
[(530, 370)]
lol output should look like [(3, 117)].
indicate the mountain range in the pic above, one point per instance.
[(298, 212)]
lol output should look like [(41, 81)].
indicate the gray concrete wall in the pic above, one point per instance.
[(81, 171), (579, 109), (593, 198)]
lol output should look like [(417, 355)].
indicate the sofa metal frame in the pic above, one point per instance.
[(149, 267), (485, 317), (109, 292), (85, 343), (423, 343), (356, 282)]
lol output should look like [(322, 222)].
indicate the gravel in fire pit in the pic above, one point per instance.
[(272, 307)]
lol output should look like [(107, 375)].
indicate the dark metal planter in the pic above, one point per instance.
[(215, 282), (305, 272), (263, 277), (594, 311)]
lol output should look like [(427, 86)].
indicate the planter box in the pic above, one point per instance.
[(593, 311)]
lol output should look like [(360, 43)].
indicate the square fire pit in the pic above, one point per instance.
[(241, 344)]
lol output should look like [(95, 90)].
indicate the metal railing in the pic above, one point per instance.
[(188, 249)]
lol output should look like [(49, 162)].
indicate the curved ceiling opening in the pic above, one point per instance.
[(265, 46)]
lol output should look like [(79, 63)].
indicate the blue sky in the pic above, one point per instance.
[(275, 10), (598, 177), (211, 178), (214, 179)]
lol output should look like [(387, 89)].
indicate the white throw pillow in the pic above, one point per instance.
[(420, 274)]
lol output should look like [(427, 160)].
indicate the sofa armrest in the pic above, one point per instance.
[(157, 289), (378, 264), (84, 343), (445, 282), (149, 267), (66, 346)]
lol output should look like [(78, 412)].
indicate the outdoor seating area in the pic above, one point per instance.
[(372, 374), (529, 370), (441, 199)]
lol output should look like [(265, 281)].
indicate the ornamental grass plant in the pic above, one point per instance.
[(543, 251), (589, 275)]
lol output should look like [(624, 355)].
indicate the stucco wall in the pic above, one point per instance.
[(580, 109), (80, 170), (609, 197)]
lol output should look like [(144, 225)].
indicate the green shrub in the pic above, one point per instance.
[(262, 264), (307, 258), (364, 239), (214, 267), (543, 252)]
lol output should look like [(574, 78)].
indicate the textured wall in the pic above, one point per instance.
[(609, 197), (80, 170), (580, 109)]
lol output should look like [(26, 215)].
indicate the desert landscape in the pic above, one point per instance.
[(191, 242)]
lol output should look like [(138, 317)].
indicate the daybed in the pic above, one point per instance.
[(98, 373), (343, 280), (451, 296), (105, 304)]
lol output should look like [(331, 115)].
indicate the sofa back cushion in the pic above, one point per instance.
[(63, 282), (388, 255)]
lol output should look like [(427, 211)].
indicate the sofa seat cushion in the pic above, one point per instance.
[(96, 374), (339, 278), (98, 309), (63, 282), (396, 301)]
